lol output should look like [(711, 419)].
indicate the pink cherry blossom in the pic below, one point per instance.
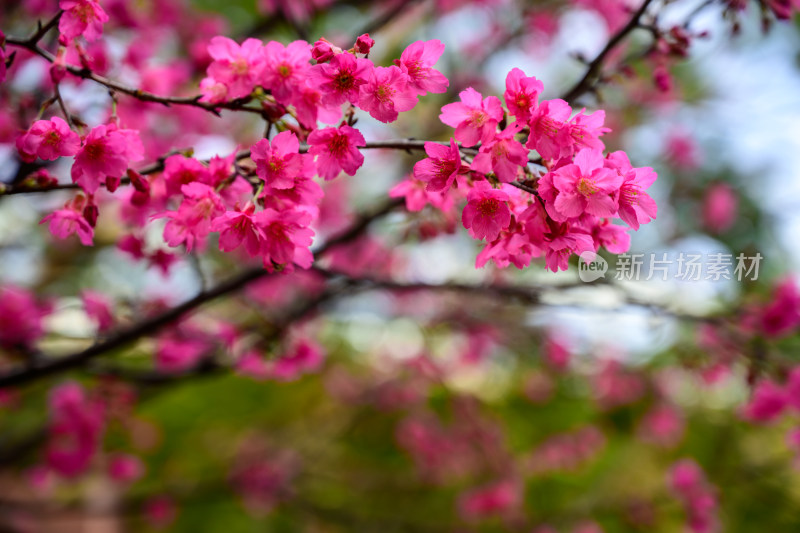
[(492, 500), (323, 50), (613, 238), (336, 150), (512, 248), (106, 152), (767, 403), (364, 44), (21, 316), (175, 354), (237, 67), (48, 140), (441, 166), (663, 425), (635, 206), (239, 228), (502, 155), (781, 315), (522, 94), (386, 93), (68, 221), (180, 170), (550, 133), (720, 207), (75, 429), (340, 80), (285, 68), (307, 101), (584, 131), (586, 187), (474, 118), (125, 468), (279, 162), (417, 62), (486, 213), (303, 357), (98, 308), (191, 223), (288, 238), (417, 195), (81, 17)]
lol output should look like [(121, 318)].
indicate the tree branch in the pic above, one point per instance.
[(152, 325), (595, 68)]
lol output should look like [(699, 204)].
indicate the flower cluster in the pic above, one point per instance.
[(520, 211), (689, 484), (317, 91)]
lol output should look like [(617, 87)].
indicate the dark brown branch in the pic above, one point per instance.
[(155, 324), (193, 101), (594, 71)]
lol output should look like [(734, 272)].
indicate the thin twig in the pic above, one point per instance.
[(593, 72)]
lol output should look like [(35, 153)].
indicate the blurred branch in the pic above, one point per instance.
[(530, 295), (595, 68), (152, 325)]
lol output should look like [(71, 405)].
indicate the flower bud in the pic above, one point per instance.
[(364, 43), (323, 50)]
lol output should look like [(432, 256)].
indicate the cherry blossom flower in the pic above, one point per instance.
[(303, 357), (486, 213), (69, 221), (237, 67), (635, 206), (74, 432), (502, 155), (364, 44), (720, 207), (180, 170), (323, 50), (586, 187), (549, 129), (285, 68), (522, 94), (176, 354), (417, 195), (239, 228), (279, 162), (21, 316), (386, 93), (106, 152), (48, 140), (417, 62), (441, 166), (768, 402), (81, 17), (125, 468), (340, 79), (474, 118), (782, 315), (336, 150), (490, 500), (288, 238), (191, 223)]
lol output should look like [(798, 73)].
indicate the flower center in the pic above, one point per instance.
[(586, 186), (384, 93), (345, 80), (240, 67), (338, 144), (488, 207), (95, 151)]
